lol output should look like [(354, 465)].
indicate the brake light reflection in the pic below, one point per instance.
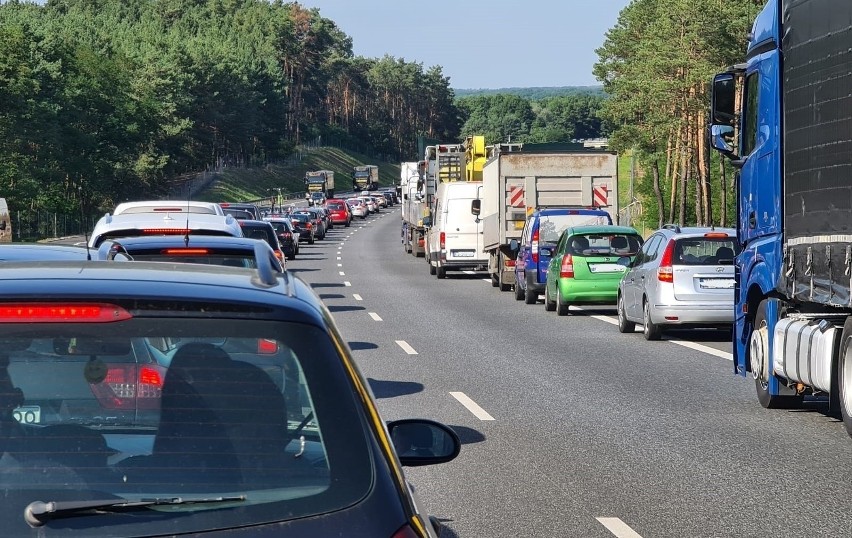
[(128, 386)]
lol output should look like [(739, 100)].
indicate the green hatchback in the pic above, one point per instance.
[(584, 266)]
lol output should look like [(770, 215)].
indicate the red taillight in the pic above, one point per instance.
[(165, 231), (716, 235), (567, 269), (508, 262), (534, 247), (61, 313), (186, 251), (309, 225), (279, 255), (665, 273), (405, 532), (267, 347), (128, 386), (443, 241)]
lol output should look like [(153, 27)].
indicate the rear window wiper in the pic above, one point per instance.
[(37, 513)]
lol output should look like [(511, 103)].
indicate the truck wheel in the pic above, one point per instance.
[(561, 308), (519, 291), (844, 376), (441, 272), (760, 361), (650, 330), (624, 325)]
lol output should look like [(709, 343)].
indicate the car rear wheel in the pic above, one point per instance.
[(432, 269), (549, 305), (562, 308), (311, 240), (441, 272), (530, 296), (624, 325), (519, 291), (650, 330)]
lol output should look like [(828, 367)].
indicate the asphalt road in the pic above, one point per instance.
[(569, 427)]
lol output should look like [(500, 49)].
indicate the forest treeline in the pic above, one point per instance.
[(108, 100), (656, 65)]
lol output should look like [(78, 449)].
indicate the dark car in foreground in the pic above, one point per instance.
[(256, 422)]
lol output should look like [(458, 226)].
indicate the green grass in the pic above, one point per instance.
[(242, 184)]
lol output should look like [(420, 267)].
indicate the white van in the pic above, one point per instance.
[(455, 238)]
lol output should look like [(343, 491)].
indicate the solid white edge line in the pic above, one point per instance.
[(357, 297), (405, 347), (618, 527), (471, 406), (704, 349), (375, 316)]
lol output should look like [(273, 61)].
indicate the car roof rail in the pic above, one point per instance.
[(674, 227), (266, 274)]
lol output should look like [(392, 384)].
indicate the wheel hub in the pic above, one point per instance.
[(758, 348)]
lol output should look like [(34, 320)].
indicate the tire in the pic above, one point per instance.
[(561, 308), (348, 223), (530, 297), (844, 376), (311, 240), (624, 326), (432, 269), (549, 306), (292, 256), (761, 374), (495, 281), (650, 330), (440, 272), (504, 286), (519, 291)]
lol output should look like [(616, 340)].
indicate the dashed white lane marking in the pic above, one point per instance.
[(618, 527), (405, 347), (375, 316), (342, 273), (705, 349), (486, 280), (347, 283), (471, 406), (339, 258), (357, 297), (340, 265), (609, 319)]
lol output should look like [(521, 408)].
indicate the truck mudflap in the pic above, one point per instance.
[(804, 349)]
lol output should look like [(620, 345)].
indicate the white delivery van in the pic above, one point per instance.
[(455, 238)]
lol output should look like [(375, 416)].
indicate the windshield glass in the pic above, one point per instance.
[(552, 226), (178, 407), (604, 244), (706, 251)]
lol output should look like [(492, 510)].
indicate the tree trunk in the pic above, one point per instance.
[(658, 193)]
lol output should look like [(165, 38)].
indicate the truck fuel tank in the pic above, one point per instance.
[(804, 349)]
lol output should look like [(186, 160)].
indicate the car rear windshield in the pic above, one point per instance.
[(551, 226), (601, 244), (244, 259), (338, 207), (256, 417), (705, 251)]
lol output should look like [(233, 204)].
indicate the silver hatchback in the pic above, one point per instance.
[(681, 277)]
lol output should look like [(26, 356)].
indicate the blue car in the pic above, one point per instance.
[(543, 228)]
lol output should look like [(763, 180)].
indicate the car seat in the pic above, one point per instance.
[(223, 423), (579, 244), (725, 256), (619, 245)]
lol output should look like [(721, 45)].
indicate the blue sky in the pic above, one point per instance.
[(493, 44)]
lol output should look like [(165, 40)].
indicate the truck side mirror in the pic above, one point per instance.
[(723, 116), (475, 206)]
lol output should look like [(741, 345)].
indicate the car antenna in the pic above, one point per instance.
[(83, 220)]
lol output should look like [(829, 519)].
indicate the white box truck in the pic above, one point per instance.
[(517, 183), (413, 204)]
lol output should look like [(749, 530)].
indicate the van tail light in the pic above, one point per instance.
[(534, 247), (443, 241), (665, 273), (130, 386), (567, 269)]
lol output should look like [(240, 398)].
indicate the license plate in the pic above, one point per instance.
[(606, 268), (27, 414), (717, 283), (462, 253)]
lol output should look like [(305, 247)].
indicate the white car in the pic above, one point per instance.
[(357, 207), (370, 203)]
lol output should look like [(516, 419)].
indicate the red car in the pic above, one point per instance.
[(339, 211)]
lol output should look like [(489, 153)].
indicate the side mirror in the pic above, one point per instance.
[(475, 206), (723, 114), (423, 442), (546, 251), (514, 246), (722, 139)]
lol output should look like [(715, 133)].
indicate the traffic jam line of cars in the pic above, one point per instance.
[(172, 378)]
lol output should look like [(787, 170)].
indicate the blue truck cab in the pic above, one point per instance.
[(541, 229), (783, 119)]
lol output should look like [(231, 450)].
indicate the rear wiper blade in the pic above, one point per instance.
[(37, 513)]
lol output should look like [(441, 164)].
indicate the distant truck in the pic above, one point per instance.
[(413, 231), (365, 178), (521, 179), (783, 118), (444, 163), (319, 181)]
